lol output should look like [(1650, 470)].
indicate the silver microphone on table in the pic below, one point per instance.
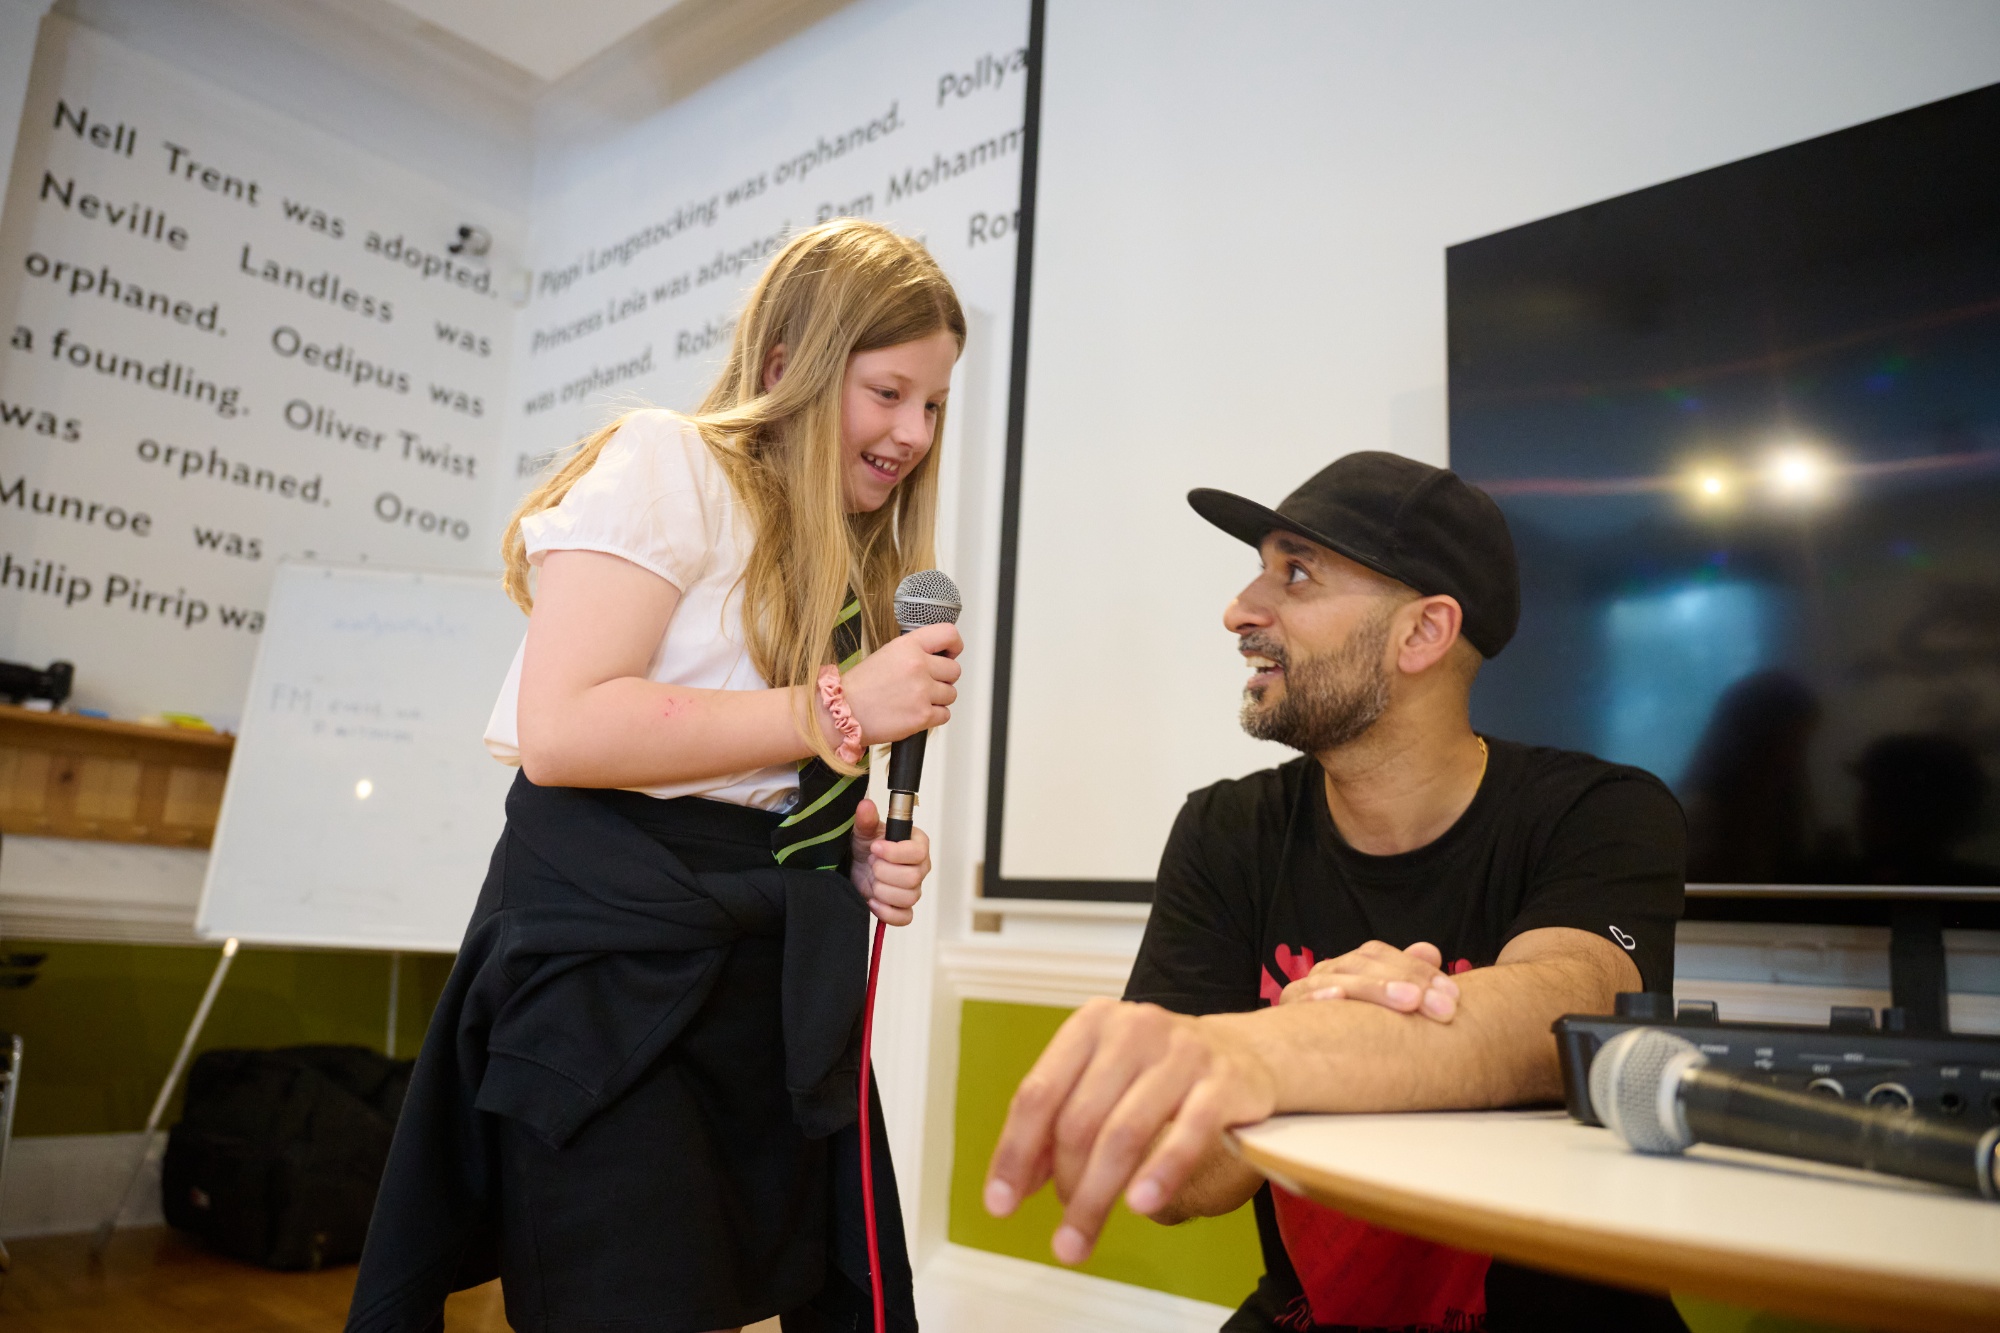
[(1654, 1090), (928, 597)]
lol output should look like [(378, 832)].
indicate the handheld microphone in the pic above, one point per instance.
[(928, 597), (1653, 1089)]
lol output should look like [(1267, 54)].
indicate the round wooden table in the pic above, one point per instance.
[(1535, 1187)]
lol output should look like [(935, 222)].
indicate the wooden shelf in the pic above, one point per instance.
[(63, 776)]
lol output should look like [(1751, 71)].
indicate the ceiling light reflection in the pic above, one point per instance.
[(1798, 473), (1711, 484)]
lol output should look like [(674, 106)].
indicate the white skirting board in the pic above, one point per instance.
[(60, 1184), (971, 1291), (76, 889)]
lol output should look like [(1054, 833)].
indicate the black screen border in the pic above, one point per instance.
[(993, 883)]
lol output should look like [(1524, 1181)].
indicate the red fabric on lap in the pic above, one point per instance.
[(1357, 1275)]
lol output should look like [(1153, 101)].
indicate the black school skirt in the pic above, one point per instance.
[(694, 1202)]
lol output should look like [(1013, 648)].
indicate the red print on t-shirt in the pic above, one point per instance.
[(1360, 1276), (1293, 965)]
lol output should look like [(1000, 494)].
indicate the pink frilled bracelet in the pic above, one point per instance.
[(835, 698)]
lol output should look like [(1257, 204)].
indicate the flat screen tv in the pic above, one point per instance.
[(1745, 426)]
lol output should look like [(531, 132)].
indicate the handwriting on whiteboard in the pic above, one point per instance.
[(346, 716)]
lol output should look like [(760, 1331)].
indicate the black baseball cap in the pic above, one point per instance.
[(1421, 525)]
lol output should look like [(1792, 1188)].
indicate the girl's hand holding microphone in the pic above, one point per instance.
[(890, 875), (906, 686)]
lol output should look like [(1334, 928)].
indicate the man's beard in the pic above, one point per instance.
[(1329, 700)]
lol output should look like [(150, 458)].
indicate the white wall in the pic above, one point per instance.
[(384, 131), (647, 240), (1240, 276), (367, 72), (345, 403), (20, 20)]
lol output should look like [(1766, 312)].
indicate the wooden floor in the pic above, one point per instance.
[(154, 1281)]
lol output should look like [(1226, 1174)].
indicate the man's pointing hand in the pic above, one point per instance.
[(1124, 1094)]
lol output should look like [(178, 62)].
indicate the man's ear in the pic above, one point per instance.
[(774, 366), (1431, 627)]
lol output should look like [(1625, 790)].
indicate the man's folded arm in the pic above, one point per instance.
[(1497, 1051), (1351, 1056)]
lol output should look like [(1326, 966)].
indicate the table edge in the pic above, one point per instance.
[(1836, 1293)]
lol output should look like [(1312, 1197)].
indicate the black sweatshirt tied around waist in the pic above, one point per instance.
[(591, 948)]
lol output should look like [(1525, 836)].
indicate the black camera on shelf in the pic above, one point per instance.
[(20, 682)]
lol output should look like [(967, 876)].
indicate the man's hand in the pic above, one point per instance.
[(1114, 1078), (890, 875), (1408, 980), (1131, 1092)]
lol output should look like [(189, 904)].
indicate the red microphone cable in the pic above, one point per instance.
[(927, 597), (867, 1144)]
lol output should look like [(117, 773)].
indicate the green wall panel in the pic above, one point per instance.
[(1714, 1317), (101, 1023), (1210, 1259)]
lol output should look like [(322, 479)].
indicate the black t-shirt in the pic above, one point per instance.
[(1256, 885)]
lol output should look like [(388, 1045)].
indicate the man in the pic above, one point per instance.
[(1389, 922)]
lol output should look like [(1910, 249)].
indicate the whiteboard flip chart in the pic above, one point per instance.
[(362, 806)]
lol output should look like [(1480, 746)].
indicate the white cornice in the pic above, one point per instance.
[(1061, 977)]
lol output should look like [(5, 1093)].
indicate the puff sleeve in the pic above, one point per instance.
[(650, 498)]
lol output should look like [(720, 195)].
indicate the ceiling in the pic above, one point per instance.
[(548, 40)]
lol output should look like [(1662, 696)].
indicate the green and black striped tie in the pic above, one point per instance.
[(815, 835)]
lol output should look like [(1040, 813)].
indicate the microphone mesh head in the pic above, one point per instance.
[(927, 597), (1632, 1086)]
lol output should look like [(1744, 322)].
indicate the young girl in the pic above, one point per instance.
[(635, 1101)]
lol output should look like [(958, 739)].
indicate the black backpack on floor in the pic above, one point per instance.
[(278, 1154)]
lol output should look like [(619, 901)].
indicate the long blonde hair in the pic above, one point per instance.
[(842, 287)]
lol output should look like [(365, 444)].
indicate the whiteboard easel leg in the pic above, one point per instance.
[(102, 1240), (395, 986)]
